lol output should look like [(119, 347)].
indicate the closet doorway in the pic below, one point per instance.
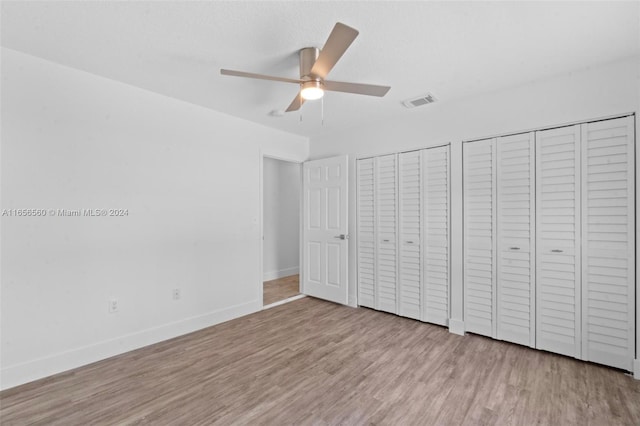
[(281, 188)]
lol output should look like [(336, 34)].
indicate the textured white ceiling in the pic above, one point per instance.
[(452, 49)]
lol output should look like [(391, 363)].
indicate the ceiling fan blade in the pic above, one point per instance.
[(258, 76), (360, 89), (338, 42), (296, 103)]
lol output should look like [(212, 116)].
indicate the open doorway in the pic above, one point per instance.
[(281, 188)]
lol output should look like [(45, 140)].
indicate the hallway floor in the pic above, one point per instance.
[(280, 289)]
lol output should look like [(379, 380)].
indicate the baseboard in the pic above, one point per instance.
[(274, 275), (29, 371), (636, 369), (283, 301), (456, 327)]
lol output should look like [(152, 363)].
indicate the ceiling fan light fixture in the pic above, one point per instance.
[(312, 90)]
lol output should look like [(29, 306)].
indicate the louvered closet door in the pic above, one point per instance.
[(386, 250), (608, 256), (479, 204), (436, 235), (410, 227), (515, 255), (366, 233), (558, 299)]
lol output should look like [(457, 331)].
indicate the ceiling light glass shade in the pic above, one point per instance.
[(312, 90)]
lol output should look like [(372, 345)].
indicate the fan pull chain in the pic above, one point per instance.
[(322, 113)]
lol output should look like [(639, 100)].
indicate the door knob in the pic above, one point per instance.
[(341, 237), (556, 251)]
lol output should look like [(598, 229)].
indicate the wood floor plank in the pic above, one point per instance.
[(280, 289), (317, 363)]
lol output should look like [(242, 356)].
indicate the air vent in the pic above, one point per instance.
[(422, 100)]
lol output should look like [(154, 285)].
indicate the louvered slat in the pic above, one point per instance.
[(479, 204), (608, 256), (410, 209), (386, 219), (366, 233), (558, 318), (436, 235), (515, 235)]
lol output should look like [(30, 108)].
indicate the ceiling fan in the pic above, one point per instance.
[(315, 65)]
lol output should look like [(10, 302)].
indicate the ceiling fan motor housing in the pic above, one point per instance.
[(308, 57), (312, 86)]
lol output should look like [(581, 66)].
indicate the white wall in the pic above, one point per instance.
[(281, 227), (588, 94), (189, 178)]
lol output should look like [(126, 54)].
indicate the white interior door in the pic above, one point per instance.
[(324, 232)]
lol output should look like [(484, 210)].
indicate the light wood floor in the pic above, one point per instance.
[(314, 362), (280, 289)]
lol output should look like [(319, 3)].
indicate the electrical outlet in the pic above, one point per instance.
[(176, 294), (113, 306)]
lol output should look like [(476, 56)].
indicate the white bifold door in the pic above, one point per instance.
[(386, 197), (324, 232), (608, 242), (480, 266), (499, 243), (410, 214), (403, 234), (586, 246), (549, 240), (366, 233), (436, 234), (515, 239), (558, 240), (377, 233)]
